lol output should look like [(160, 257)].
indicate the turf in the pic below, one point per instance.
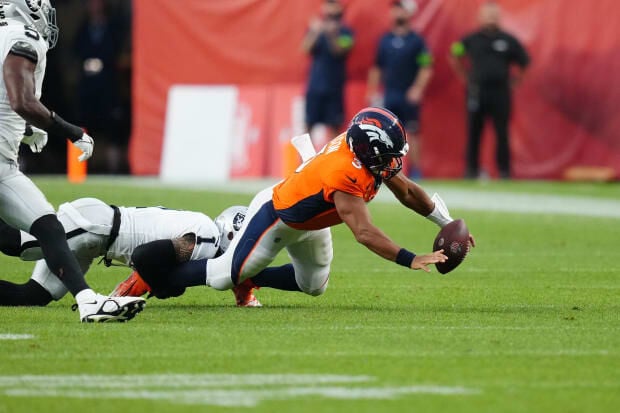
[(530, 322)]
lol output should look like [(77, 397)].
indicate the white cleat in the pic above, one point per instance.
[(104, 309)]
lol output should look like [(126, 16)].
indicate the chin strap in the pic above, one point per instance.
[(440, 215)]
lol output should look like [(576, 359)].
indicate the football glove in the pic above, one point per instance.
[(35, 138), (86, 145)]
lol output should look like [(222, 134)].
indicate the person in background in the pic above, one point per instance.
[(403, 65), (328, 42), (100, 45), (497, 62)]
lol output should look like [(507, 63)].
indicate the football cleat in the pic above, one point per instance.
[(103, 309), (133, 286), (244, 294)]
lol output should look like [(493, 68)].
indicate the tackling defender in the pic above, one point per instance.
[(328, 189), (96, 229), (27, 30)]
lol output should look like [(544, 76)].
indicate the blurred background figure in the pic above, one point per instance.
[(496, 62), (103, 104), (328, 41), (403, 65)]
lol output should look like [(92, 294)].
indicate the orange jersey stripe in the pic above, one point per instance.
[(304, 200)]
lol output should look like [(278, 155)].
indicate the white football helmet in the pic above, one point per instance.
[(229, 222), (37, 14)]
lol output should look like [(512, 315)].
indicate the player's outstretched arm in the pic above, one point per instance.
[(410, 194), (414, 197), (354, 212), (18, 75)]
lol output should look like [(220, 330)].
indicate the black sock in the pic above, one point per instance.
[(58, 257), (189, 274), (280, 278), (29, 294), (10, 240)]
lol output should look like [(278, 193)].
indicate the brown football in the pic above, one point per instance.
[(454, 240)]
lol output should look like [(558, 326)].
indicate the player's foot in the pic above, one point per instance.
[(133, 286), (244, 294), (102, 309)]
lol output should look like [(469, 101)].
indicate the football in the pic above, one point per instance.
[(454, 240)]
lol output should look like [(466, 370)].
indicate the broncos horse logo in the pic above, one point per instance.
[(377, 134)]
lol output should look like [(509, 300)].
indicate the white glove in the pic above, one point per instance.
[(35, 138), (86, 145)]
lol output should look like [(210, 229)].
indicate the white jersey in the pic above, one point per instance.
[(12, 126), (142, 225)]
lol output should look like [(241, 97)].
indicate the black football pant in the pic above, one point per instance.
[(486, 103)]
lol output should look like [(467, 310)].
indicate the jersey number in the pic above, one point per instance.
[(32, 33)]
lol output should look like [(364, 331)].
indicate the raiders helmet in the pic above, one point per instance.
[(36, 14), (229, 222)]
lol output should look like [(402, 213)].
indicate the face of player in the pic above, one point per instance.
[(489, 16)]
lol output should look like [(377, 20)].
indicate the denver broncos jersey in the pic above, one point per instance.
[(305, 199), (12, 126)]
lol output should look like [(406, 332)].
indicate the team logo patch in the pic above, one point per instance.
[(33, 5), (238, 221), (377, 134)]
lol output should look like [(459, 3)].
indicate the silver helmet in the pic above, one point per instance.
[(229, 222), (36, 14)]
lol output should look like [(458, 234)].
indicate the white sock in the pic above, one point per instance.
[(85, 296)]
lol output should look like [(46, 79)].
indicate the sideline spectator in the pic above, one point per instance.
[(492, 54), (328, 42), (404, 65), (99, 45)]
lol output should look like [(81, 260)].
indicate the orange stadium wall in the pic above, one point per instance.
[(565, 113)]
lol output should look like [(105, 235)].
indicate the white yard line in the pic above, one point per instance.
[(16, 336), (214, 389)]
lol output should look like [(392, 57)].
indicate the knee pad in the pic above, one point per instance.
[(313, 290)]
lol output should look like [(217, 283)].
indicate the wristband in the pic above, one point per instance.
[(405, 258), (61, 127)]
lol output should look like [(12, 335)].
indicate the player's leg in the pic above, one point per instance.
[(23, 206), (29, 294), (311, 258), (475, 124), (10, 240), (41, 289), (262, 236), (500, 113)]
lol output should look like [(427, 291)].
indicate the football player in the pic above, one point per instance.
[(27, 30), (297, 213), (95, 229)]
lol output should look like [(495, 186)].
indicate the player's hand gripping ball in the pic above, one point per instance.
[(454, 240)]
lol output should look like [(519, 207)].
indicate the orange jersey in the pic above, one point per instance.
[(305, 199)]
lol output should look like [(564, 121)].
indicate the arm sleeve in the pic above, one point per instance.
[(424, 58), (519, 55), (25, 50), (346, 39)]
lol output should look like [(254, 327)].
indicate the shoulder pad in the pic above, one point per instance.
[(26, 50)]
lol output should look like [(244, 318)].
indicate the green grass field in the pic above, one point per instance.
[(530, 322)]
